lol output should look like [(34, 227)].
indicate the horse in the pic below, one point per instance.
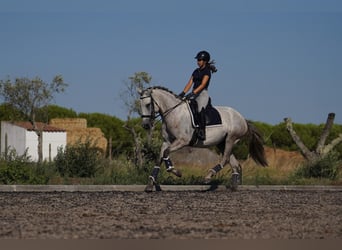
[(178, 131)]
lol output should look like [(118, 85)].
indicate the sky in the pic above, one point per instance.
[(275, 58)]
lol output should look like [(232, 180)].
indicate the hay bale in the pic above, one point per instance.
[(94, 135), (77, 132), (69, 123)]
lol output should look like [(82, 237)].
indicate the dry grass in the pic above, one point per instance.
[(196, 162)]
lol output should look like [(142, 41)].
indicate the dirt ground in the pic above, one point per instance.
[(172, 215)]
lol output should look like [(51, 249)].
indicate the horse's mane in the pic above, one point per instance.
[(163, 88)]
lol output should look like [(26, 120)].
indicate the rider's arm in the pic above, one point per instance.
[(203, 84), (188, 85)]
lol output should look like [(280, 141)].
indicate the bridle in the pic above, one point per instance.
[(153, 115)]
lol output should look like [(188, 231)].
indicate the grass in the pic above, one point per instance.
[(121, 171)]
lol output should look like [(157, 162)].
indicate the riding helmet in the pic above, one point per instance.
[(203, 55)]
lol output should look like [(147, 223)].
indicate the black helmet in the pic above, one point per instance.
[(203, 55)]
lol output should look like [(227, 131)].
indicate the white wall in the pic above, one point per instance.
[(20, 139), (15, 137), (55, 139), (32, 144)]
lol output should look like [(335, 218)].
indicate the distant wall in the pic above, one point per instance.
[(20, 139), (15, 137), (51, 142)]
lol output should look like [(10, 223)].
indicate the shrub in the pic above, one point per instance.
[(120, 171), (327, 167), (79, 160), (19, 169)]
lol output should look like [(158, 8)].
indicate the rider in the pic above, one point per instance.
[(200, 80)]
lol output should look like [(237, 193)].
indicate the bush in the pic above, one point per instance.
[(80, 160), (19, 169), (120, 171), (327, 167)]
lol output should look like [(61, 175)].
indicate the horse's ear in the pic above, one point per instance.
[(139, 90)]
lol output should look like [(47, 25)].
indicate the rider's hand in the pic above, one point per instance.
[(190, 96), (181, 95)]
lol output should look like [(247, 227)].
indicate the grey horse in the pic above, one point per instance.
[(178, 131)]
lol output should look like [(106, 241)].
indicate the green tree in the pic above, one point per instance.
[(9, 113), (28, 96), (131, 98), (281, 139), (55, 111)]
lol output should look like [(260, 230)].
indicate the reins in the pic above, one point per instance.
[(170, 109)]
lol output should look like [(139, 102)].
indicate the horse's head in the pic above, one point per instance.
[(156, 100), (147, 109)]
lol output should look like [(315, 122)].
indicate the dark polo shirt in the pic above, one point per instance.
[(198, 75)]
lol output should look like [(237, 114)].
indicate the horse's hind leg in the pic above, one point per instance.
[(236, 172), (236, 168), (227, 158)]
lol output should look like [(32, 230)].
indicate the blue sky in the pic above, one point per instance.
[(275, 58)]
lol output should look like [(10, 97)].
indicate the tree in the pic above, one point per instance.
[(29, 96), (55, 111), (118, 137), (321, 150), (130, 98), (8, 113)]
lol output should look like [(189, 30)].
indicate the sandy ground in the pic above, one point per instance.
[(172, 215)]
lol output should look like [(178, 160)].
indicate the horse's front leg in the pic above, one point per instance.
[(153, 180), (166, 148), (155, 171), (165, 156)]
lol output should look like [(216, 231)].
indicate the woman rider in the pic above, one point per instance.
[(200, 80)]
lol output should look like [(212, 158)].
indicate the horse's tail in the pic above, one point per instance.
[(256, 148)]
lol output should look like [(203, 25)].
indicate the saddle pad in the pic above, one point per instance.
[(212, 116)]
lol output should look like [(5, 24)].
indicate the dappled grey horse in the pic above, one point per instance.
[(178, 130)]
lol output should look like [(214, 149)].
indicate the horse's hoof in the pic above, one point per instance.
[(210, 174), (207, 180), (149, 188), (176, 172), (235, 181), (240, 175)]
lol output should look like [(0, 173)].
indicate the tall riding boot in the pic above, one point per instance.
[(201, 131)]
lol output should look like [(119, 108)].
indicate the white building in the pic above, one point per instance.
[(21, 136)]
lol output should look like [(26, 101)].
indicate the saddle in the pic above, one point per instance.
[(212, 116)]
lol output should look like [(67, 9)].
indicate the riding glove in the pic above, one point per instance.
[(191, 96), (181, 95)]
